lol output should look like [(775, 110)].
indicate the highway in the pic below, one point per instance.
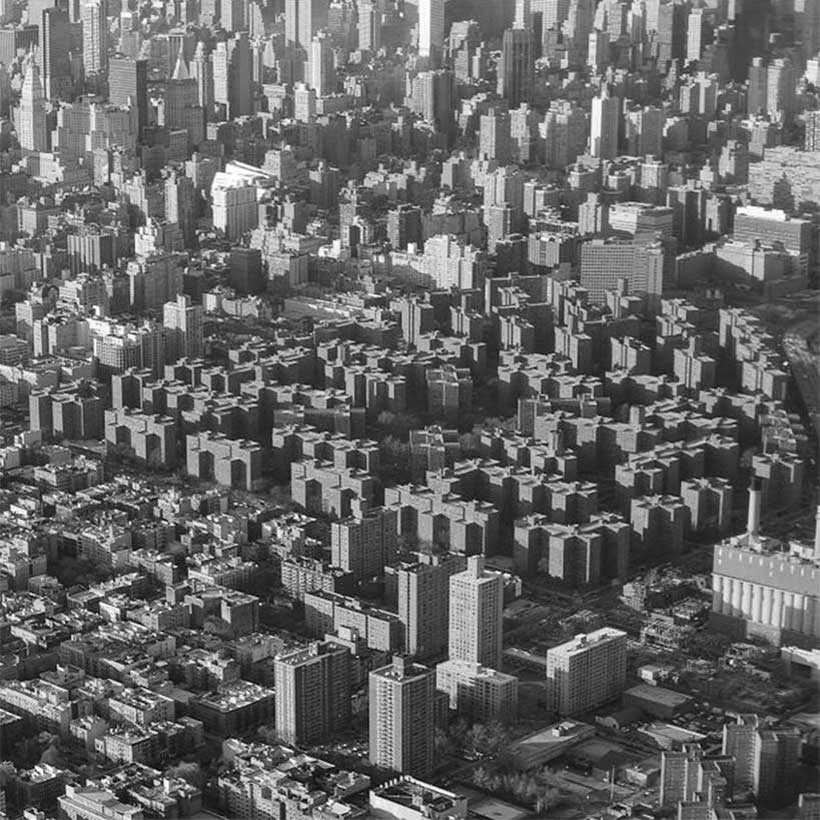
[(805, 366)]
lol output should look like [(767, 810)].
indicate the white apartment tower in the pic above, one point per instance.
[(476, 606)]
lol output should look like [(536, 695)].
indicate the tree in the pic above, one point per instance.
[(469, 443), (707, 645), (189, 772), (394, 461), (7, 772), (280, 497), (487, 739), (398, 424), (52, 754), (443, 743)]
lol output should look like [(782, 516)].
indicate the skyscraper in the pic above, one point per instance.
[(233, 15), (202, 70), (401, 717), (303, 19), (128, 86), (232, 75), (757, 87), (780, 89), (807, 23), (312, 692), (56, 47), (523, 14), (476, 606), (515, 73), (180, 107), (183, 325), (31, 115), (95, 37), (433, 96), (603, 138), (695, 35), (554, 12), (431, 27), (321, 68), (404, 225), (586, 672), (180, 204), (370, 26), (812, 141)]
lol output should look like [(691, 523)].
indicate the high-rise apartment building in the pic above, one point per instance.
[(765, 758), (483, 694), (95, 36), (55, 46), (476, 606), (636, 218), (515, 71), (364, 545), (183, 325), (424, 602), (645, 265), (312, 692), (404, 226), (586, 672), (770, 225), (401, 717), (689, 775)]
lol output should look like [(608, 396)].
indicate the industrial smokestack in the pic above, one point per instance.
[(753, 521), (817, 535)]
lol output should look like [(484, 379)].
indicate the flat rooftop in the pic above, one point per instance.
[(658, 694)]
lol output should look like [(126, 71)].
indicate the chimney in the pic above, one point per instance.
[(817, 535), (753, 521)]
